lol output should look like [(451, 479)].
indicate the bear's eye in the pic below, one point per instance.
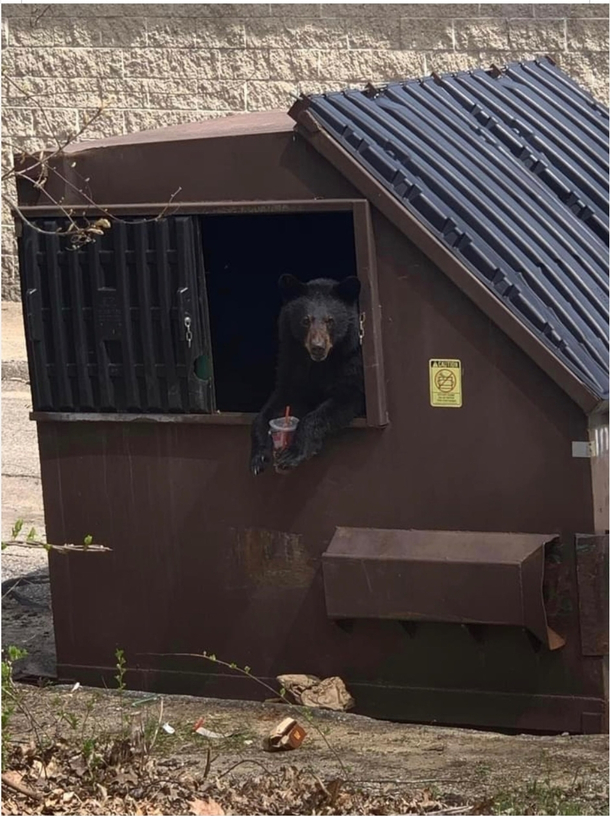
[(329, 321), (306, 321)]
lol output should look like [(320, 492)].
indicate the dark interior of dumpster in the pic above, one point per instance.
[(244, 256)]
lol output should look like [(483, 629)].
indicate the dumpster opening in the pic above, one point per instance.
[(244, 256)]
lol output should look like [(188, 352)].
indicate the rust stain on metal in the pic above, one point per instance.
[(592, 573), (598, 436), (274, 558)]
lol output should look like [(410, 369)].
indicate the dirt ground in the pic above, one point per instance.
[(480, 771)]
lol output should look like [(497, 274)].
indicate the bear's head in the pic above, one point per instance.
[(321, 314)]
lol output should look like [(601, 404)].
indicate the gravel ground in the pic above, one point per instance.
[(28, 627)]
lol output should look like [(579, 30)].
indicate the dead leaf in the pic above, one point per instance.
[(51, 769), (334, 788), (78, 764), (126, 777), (205, 807)]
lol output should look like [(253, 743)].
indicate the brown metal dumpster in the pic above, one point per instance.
[(447, 554)]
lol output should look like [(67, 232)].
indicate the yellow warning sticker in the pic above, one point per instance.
[(445, 383)]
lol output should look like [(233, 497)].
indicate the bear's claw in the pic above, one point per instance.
[(259, 462)]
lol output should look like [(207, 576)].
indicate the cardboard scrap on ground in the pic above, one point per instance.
[(286, 735), (310, 691)]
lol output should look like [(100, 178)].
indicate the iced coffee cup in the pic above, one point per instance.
[(282, 430)]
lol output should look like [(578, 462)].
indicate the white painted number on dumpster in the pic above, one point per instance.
[(445, 383)]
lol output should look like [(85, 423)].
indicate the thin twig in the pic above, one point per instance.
[(43, 166), (325, 790), (410, 781), (241, 762), (102, 211), (208, 763), (61, 146), (61, 548), (14, 206), (299, 710), (12, 694), (155, 735), (34, 20)]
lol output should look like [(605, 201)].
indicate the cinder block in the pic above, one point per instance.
[(373, 32), (429, 34), (357, 67), (227, 95), (293, 65), (271, 95), (537, 35), (219, 33), (306, 33), (506, 10), (247, 63), (485, 33), (94, 62), (587, 35)]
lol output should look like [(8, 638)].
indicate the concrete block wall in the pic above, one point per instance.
[(155, 65)]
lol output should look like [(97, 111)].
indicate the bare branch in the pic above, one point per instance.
[(79, 231), (61, 548), (8, 780), (61, 145), (110, 215)]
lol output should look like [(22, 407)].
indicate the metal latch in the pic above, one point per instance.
[(188, 334)]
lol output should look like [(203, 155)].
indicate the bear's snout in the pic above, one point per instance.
[(318, 343)]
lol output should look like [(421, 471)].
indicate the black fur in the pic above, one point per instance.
[(325, 392)]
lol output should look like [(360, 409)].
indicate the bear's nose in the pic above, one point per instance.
[(318, 351)]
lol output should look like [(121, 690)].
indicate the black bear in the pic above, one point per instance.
[(319, 373)]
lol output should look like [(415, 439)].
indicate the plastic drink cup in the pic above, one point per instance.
[(282, 430)]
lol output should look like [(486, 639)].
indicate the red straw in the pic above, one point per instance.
[(284, 432)]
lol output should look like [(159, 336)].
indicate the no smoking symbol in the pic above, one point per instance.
[(445, 380)]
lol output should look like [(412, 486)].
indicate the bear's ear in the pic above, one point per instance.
[(290, 287), (348, 289)]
